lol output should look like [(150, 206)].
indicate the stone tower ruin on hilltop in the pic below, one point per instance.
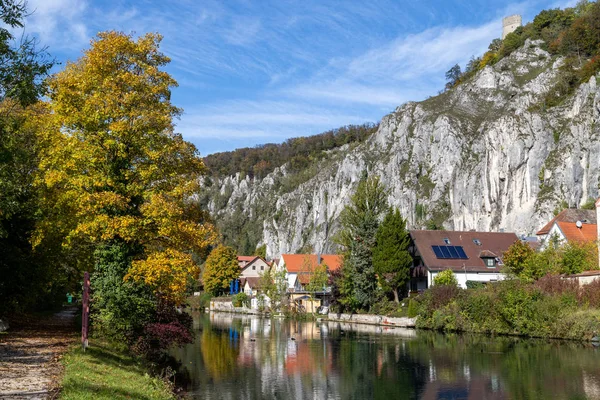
[(510, 24)]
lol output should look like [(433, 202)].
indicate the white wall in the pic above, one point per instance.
[(253, 270), (554, 232), (462, 278)]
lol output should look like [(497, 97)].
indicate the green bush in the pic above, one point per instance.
[(241, 300), (445, 277), (412, 308), (475, 285), (546, 308)]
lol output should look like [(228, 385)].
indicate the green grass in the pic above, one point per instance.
[(107, 371)]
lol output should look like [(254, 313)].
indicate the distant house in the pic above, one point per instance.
[(298, 267), (562, 232), (472, 256), (571, 216), (251, 268)]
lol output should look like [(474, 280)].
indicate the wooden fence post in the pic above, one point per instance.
[(85, 314)]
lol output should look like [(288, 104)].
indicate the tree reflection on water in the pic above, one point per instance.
[(242, 357)]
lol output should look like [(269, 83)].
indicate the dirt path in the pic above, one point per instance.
[(30, 355)]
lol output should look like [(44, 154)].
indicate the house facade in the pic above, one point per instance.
[(562, 232), (471, 256), (570, 215), (298, 267), (251, 268)]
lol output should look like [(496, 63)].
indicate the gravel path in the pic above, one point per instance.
[(30, 355)]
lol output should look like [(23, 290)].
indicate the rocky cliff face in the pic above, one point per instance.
[(485, 155)]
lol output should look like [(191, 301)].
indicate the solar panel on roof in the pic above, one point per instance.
[(461, 253), (452, 251), (437, 251), (445, 251)]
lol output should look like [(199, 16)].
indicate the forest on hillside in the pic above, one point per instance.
[(299, 152)]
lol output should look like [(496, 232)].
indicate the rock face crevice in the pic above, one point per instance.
[(485, 155)]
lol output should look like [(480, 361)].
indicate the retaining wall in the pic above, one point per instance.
[(370, 319)]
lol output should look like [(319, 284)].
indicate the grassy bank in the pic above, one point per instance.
[(107, 371), (549, 308)]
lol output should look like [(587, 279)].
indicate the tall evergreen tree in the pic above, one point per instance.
[(391, 258), (360, 221)]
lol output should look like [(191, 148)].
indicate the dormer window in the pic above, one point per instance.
[(446, 240), (490, 262)]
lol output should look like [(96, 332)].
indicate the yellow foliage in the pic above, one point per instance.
[(488, 58), (166, 272), (113, 169)]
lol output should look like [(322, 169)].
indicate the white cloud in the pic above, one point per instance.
[(244, 119), (58, 23)]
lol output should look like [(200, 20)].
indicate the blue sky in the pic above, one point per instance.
[(259, 71)]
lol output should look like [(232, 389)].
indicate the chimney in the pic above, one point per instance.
[(598, 228), (319, 259)]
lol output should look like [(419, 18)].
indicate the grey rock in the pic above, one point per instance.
[(484, 156), (3, 326)]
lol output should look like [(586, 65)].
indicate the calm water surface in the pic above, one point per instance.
[(244, 357)]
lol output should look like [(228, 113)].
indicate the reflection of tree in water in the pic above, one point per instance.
[(506, 367), (372, 368), (219, 352)]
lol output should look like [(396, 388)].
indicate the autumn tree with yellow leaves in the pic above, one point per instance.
[(221, 268), (116, 174)]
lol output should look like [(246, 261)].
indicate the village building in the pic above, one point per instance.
[(299, 267), (471, 256), (251, 268), (569, 225)]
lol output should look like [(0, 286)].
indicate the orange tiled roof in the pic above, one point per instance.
[(305, 262), (246, 258), (569, 215), (587, 232)]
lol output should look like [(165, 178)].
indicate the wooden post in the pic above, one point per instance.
[(85, 314)]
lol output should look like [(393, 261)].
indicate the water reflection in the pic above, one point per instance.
[(245, 357)]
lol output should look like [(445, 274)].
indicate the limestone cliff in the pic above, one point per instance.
[(486, 155)]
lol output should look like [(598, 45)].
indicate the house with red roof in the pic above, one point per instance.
[(299, 267), (471, 256), (570, 225)]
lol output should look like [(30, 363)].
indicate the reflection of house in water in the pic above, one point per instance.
[(478, 388)]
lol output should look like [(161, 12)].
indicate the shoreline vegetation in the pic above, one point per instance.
[(550, 308)]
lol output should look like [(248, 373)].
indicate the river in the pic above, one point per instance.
[(247, 357)]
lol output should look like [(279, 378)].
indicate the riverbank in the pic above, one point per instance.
[(107, 371), (367, 319), (548, 308)]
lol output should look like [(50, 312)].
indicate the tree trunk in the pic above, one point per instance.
[(396, 299)]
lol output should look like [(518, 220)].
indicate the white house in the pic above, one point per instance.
[(471, 256)]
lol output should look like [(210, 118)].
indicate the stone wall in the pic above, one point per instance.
[(370, 319), (227, 306)]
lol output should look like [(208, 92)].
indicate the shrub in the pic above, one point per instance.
[(590, 294), (241, 300), (475, 285), (445, 278), (412, 308), (578, 257)]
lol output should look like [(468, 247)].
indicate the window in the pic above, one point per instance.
[(253, 267), (446, 240), (262, 267), (477, 242), (490, 262)]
